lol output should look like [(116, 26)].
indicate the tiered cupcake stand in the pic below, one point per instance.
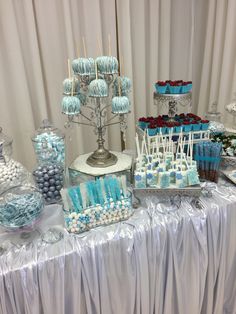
[(172, 102)]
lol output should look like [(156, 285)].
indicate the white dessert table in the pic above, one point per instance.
[(164, 259)]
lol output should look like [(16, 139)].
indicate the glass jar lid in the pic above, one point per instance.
[(47, 128), (4, 139), (213, 114)]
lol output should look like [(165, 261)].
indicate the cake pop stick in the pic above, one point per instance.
[(189, 143), (72, 89), (109, 44), (145, 144), (191, 149), (78, 51), (99, 45), (142, 147), (69, 70), (119, 83), (156, 142), (181, 153), (84, 46), (138, 147), (184, 155), (96, 70)]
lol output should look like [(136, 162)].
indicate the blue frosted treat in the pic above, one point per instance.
[(120, 104), (161, 167), (181, 179), (83, 66), (140, 179), (169, 157), (107, 65), (70, 83), (70, 105), (172, 175), (164, 179), (122, 84), (98, 88), (181, 167), (155, 163), (149, 166), (152, 176), (193, 177)]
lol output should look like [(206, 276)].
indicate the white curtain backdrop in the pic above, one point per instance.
[(158, 39)]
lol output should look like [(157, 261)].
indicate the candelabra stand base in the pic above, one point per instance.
[(101, 158)]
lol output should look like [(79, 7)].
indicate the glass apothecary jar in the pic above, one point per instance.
[(213, 114), (49, 146), (20, 206), (49, 179), (215, 125), (11, 172)]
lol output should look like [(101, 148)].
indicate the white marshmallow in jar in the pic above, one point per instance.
[(11, 172)]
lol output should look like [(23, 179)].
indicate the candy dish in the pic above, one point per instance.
[(99, 215), (20, 206), (96, 203)]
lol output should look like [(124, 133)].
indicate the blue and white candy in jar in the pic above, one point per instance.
[(49, 145)]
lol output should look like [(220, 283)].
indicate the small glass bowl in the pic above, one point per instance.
[(20, 206)]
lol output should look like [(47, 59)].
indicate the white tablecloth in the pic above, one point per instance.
[(162, 260)]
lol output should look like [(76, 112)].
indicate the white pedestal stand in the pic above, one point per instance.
[(124, 163)]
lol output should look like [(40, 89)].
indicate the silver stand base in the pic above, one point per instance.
[(101, 158)]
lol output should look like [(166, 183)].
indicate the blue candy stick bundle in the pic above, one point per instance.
[(96, 203), (208, 156)]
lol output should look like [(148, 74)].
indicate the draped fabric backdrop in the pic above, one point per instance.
[(158, 39)]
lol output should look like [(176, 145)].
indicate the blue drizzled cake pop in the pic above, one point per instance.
[(107, 65), (68, 85), (83, 66), (120, 104), (125, 85), (70, 105), (98, 87)]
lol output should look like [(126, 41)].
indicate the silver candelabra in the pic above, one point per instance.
[(94, 113)]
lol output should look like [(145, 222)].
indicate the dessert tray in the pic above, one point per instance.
[(230, 174), (168, 193)]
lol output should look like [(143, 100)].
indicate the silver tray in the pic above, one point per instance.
[(228, 161), (228, 173), (193, 191)]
